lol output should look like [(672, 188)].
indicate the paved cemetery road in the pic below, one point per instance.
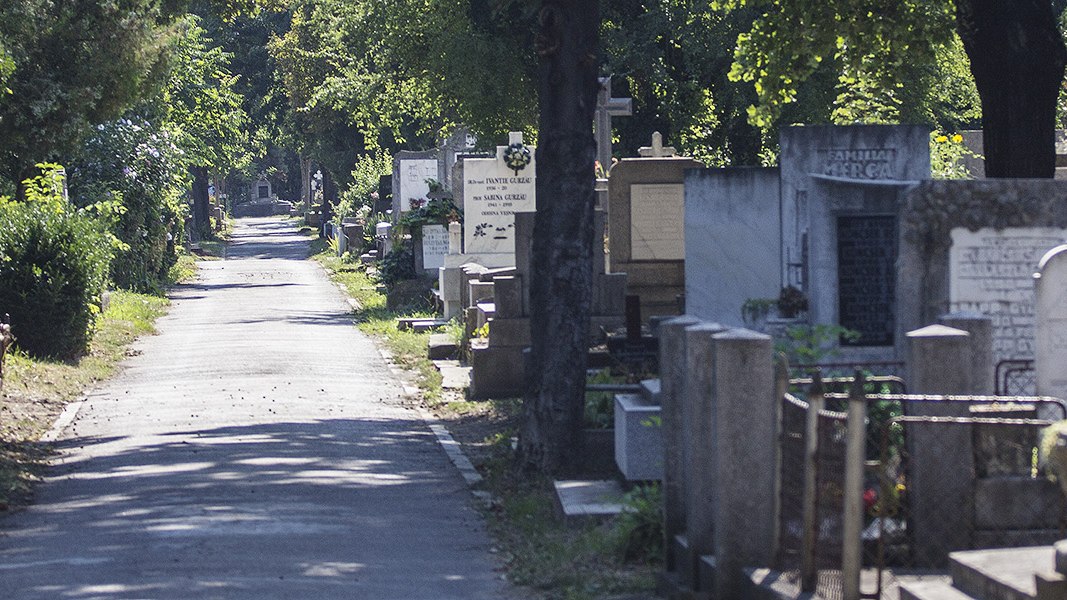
[(255, 448)]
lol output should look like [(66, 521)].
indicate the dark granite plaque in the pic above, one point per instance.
[(866, 277)]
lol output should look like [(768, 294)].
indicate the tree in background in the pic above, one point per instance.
[(902, 61), (75, 64)]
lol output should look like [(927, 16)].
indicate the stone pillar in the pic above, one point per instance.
[(455, 238), (745, 417), (672, 360), (941, 477), (699, 453), (980, 328)]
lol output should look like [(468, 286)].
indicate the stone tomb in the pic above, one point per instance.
[(973, 246), (646, 234), (842, 188), (262, 190), (497, 368), (991, 272), (825, 222), (431, 248)]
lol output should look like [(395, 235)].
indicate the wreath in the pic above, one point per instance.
[(517, 157)]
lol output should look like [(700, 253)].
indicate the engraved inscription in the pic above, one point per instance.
[(866, 277), (859, 163), (657, 229), (492, 194), (991, 272), (434, 246)]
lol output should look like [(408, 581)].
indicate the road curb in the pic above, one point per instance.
[(70, 412)]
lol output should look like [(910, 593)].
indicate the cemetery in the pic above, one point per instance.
[(693, 301)]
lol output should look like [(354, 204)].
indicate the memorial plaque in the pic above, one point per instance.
[(413, 176), (657, 214), (434, 246), (991, 272), (866, 277), (492, 193)]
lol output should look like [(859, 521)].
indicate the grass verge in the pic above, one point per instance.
[(616, 559), (35, 391)]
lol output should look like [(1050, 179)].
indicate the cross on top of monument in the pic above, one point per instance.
[(606, 108), (657, 149)]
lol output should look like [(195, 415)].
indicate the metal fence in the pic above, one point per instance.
[(1015, 377), (938, 474)]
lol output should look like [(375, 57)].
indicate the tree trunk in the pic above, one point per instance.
[(562, 253), (201, 203), (1017, 59)]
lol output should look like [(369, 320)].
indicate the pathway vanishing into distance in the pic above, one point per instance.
[(255, 448)]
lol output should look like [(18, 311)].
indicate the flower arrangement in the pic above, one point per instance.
[(517, 157)]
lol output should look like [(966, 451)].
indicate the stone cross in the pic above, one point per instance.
[(606, 108), (657, 149)]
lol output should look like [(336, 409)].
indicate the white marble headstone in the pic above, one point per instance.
[(1050, 357), (413, 175), (492, 194), (990, 272)]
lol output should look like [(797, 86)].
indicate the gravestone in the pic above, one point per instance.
[(732, 241), (1050, 285), (646, 232), (970, 246), (410, 172), (841, 190), (262, 190), (460, 142), (494, 189), (432, 248), (991, 272)]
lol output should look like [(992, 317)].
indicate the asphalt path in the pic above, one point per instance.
[(256, 448)]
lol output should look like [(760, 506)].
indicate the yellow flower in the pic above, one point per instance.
[(941, 139), (957, 138)]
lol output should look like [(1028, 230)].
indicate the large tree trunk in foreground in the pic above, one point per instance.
[(201, 203), (562, 258), (1017, 59)]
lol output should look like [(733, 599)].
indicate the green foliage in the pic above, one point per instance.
[(137, 165), (947, 153), (398, 265), (600, 406), (53, 267), (639, 528), (75, 64), (362, 192), (810, 344)]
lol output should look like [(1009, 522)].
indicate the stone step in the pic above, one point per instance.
[(454, 376), (1003, 574), (420, 325), (585, 500), (441, 346), (931, 590)]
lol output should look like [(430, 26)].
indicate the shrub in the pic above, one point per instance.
[(53, 267), (137, 165)]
